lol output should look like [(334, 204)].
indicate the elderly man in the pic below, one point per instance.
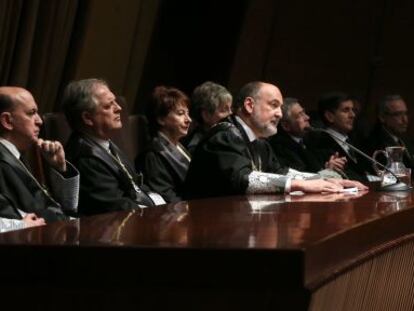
[(392, 128), (23, 199), (233, 159), (290, 144), (108, 181)]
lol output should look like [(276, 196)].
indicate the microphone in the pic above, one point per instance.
[(398, 186)]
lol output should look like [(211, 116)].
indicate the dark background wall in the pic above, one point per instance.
[(306, 47)]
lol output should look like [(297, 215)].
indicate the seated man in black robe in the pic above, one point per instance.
[(391, 129), (234, 159), (291, 143), (23, 199), (108, 180)]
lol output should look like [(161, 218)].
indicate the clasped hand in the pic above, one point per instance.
[(53, 153)]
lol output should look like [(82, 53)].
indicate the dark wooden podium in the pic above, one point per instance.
[(293, 252)]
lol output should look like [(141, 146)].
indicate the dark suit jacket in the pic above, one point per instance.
[(164, 168), (380, 138), (355, 168), (21, 192), (224, 159), (292, 154), (104, 186)]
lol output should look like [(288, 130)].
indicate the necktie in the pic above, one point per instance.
[(140, 196), (302, 144), (351, 152)]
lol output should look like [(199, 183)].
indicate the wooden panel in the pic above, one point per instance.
[(382, 283)]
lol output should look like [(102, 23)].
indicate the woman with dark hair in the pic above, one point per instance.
[(165, 162)]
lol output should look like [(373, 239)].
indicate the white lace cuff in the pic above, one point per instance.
[(11, 224), (65, 190), (260, 182), (294, 174)]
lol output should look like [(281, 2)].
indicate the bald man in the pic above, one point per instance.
[(235, 159), (23, 200)]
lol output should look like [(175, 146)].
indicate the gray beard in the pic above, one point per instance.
[(266, 130)]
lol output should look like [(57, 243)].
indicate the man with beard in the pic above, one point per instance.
[(234, 159)]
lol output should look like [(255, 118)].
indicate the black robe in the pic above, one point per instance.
[(193, 139), (290, 153), (356, 166), (164, 168), (224, 159), (379, 139), (104, 186)]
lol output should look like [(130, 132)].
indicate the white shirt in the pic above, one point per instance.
[(340, 138)]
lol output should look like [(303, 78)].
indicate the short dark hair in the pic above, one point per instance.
[(208, 96), (330, 102), (250, 89), (79, 97), (163, 100)]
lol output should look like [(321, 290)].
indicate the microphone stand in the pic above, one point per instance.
[(398, 186)]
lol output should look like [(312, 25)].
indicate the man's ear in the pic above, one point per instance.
[(6, 120), (285, 125), (87, 118), (248, 104), (206, 116), (329, 116)]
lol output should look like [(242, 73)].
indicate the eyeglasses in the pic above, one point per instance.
[(397, 114)]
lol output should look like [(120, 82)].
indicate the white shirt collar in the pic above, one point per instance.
[(11, 147), (337, 134), (296, 139), (249, 132), (340, 138), (104, 143)]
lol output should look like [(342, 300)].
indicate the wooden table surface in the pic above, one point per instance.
[(299, 240)]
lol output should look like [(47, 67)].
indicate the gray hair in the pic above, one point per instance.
[(208, 96), (250, 89), (288, 103), (79, 97), (383, 104)]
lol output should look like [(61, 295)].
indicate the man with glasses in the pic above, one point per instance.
[(391, 128)]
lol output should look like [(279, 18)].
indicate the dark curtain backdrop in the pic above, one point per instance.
[(34, 41), (307, 48)]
